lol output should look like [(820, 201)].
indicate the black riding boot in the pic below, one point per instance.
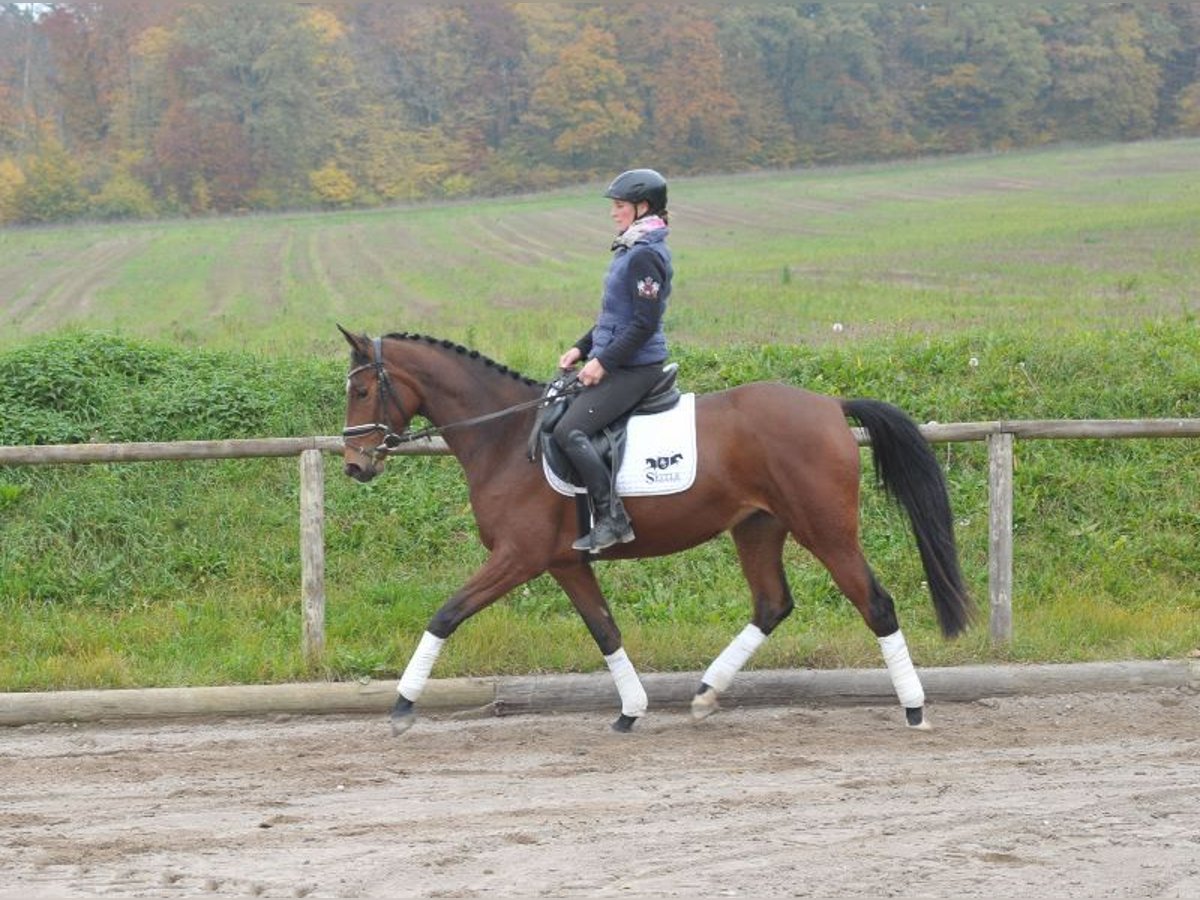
[(611, 524)]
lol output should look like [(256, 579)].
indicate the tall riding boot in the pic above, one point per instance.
[(611, 524)]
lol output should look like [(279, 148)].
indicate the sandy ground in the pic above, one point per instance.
[(1066, 796)]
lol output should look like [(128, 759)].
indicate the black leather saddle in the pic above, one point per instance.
[(610, 440)]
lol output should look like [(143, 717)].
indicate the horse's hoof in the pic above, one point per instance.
[(915, 716), (402, 717), (624, 724), (704, 704)]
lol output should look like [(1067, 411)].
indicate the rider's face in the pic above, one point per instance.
[(623, 213)]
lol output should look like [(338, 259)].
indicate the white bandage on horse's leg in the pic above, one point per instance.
[(416, 673), (900, 667), (629, 686), (720, 674)]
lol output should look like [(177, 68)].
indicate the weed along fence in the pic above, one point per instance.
[(999, 436)]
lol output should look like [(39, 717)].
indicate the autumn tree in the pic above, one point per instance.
[(52, 190), (11, 180), (244, 75), (1175, 48), (23, 88), (582, 107), (333, 186), (337, 88), (76, 78), (692, 118), (1103, 87), (844, 106), (123, 197), (424, 116), (974, 76), (136, 46), (1187, 110), (755, 42)]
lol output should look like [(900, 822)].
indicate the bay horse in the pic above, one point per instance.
[(773, 462)]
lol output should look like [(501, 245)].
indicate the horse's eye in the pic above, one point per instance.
[(360, 393)]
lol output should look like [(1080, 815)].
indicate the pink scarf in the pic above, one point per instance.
[(638, 230)]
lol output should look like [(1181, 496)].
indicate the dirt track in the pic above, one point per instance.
[(1065, 796)]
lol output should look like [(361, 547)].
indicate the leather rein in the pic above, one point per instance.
[(392, 439)]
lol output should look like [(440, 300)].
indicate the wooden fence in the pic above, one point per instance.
[(999, 436)]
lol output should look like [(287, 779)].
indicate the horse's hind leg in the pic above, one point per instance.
[(759, 540), (855, 579), (896, 657)]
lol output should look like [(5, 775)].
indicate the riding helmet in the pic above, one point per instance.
[(637, 185)]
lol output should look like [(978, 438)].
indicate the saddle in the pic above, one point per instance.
[(608, 441)]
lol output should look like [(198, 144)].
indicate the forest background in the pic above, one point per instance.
[(138, 108)]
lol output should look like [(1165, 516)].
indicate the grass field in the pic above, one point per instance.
[(1057, 240), (1069, 276)]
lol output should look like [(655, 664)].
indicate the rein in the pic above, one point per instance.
[(566, 385)]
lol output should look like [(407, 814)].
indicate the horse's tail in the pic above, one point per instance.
[(908, 470)]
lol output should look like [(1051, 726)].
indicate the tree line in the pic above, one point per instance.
[(138, 108)]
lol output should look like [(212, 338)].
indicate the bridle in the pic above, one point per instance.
[(383, 396), (565, 386)]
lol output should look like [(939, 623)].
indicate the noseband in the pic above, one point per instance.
[(384, 395)]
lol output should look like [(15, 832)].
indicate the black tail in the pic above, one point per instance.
[(905, 466)]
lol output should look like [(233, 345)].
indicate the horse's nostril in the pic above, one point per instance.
[(360, 474)]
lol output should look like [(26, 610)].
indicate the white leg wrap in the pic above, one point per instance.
[(720, 674), (900, 667), (416, 673), (629, 686)]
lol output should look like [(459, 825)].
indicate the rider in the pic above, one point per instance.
[(625, 349)]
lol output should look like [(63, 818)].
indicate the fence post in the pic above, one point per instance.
[(1000, 534), (312, 554)]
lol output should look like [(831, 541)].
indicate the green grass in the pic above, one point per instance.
[(1069, 276), (1052, 240)]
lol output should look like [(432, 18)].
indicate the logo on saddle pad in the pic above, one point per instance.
[(664, 469), (660, 454)]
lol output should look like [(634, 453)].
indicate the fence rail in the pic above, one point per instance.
[(1000, 437)]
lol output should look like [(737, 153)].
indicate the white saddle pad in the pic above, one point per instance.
[(660, 454)]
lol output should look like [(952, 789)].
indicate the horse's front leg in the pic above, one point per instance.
[(579, 582), (499, 575)]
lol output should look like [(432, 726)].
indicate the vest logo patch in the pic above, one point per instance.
[(648, 288)]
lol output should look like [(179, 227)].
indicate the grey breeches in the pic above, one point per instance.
[(598, 405)]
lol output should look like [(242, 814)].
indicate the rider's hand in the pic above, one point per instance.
[(591, 373), (568, 359)]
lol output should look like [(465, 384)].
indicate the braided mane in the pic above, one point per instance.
[(464, 351)]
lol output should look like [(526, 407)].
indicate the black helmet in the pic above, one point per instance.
[(637, 185)]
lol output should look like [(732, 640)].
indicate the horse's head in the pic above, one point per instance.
[(376, 405)]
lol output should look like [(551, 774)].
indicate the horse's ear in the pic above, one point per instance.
[(355, 341)]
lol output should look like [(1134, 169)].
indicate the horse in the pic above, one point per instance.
[(773, 461)]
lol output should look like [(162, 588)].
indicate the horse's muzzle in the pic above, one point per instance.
[(361, 466), (358, 473)]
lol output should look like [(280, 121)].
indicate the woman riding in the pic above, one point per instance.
[(625, 349)]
